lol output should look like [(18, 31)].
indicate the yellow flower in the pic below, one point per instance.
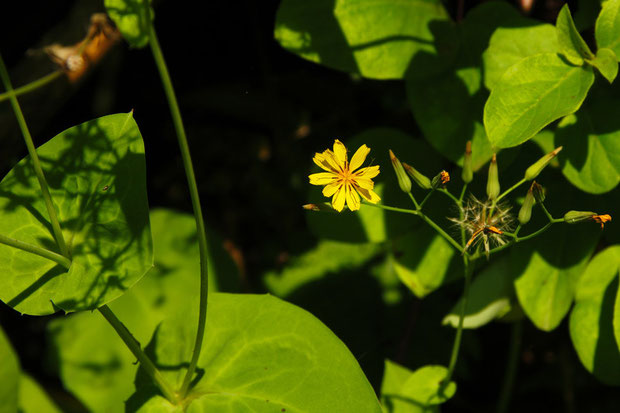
[(341, 180)]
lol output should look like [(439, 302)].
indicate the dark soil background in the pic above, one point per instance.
[(254, 115)]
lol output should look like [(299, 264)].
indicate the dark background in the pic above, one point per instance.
[(254, 115)]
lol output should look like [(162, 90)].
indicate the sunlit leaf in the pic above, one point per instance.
[(424, 261), (133, 18), (9, 376), (607, 29), (607, 63), (327, 257), (572, 45), (547, 271), (426, 387), (509, 45), (531, 94), (375, 39), (591, 138), (103, 379), (591, 327), (33, 398), (489, 297), (392, 399), (97, 177), (260, 354)]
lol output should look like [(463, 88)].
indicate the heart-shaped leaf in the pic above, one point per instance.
[(374, 39), (97, 177), (572, 45), (531, 94), (607, 28), (260, 354), (133, 18), (591, 327)]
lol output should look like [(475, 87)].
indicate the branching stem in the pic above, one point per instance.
[(47, 197), (32, 86), (35, 249)]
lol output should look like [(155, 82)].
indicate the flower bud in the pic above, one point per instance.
[(323, 207), (525, 213), (422, 181), (533, 171), (493, 180), (403, 180), (572, 217), (468, 173), (440, 180), (539, 192)]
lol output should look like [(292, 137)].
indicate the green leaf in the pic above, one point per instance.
[(425, 386), (531, 94), (327, 257), (424, 261), (97, 178), (260, 354), (591, 327), (591, 138), (372, 224), (509, 45), (607, 63), (9, 376), (607, 29), (572, 45), (32, 397), (392, 397), (489, 297), (547, 271), (374, 39), (103, 379), (448, 106), (133, 19)]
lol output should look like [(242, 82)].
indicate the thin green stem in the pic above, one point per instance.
[(448, 194), (469, 268), (417, 206), (389, 208), (193, 190), (441, 232), (549, 216), (34, 249), (509, 190), (29, 87), (49, 203), (511, 368), (145, 362), (462, 196), (426, 199)]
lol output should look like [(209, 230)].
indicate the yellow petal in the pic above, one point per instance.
[(331, 189), (353, 199), (359, 157), (363, 183), (326, 161), (369, 195), (340, 154), (322, 178), (368, 172), (338, 199)]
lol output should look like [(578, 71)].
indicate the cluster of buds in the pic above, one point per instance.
[(405, 173)]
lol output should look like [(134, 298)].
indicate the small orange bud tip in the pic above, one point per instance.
[(494, 159), (468, 147), (392, 156), (557, 150), (602, 219), (445, 177), (311, 207)]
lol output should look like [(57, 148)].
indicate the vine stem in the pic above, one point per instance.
[(34, 85), (469, 268), (35, 249), (193, 190), (47, 197), (145, 362)]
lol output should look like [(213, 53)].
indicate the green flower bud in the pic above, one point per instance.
[(573, 217), (493, 180), (422, 181), (440, 180), (403, 180), (539, 192), (525, 213), (468, 173), (533, 171)]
